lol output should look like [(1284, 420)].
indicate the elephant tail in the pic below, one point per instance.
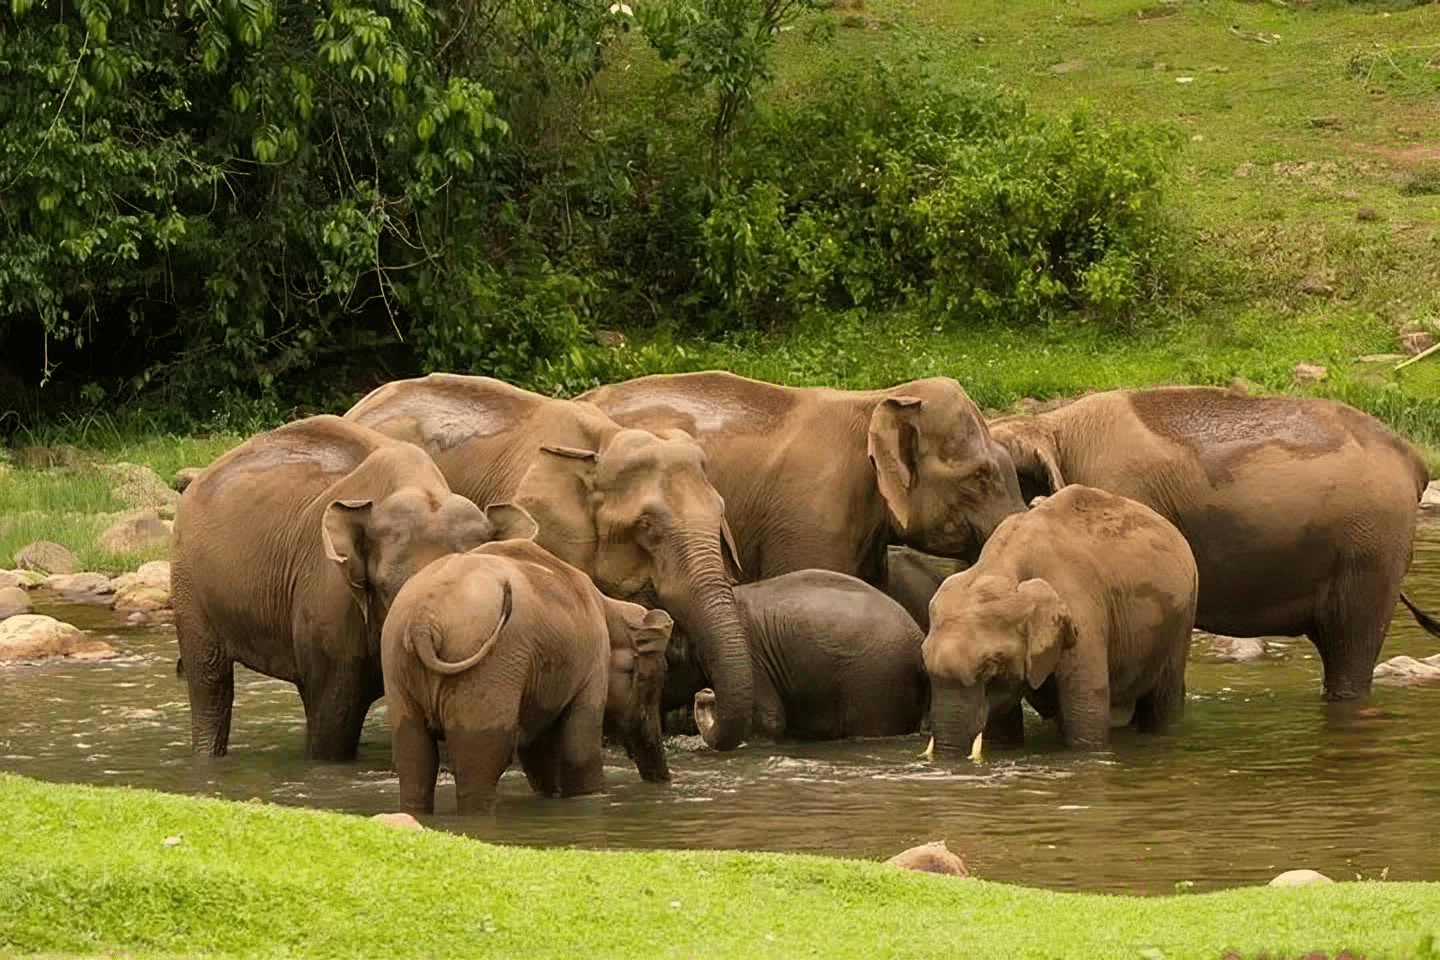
[(424, 647), (1430, 624)]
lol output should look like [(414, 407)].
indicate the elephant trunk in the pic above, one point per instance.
[(698, 595), (957, 715)]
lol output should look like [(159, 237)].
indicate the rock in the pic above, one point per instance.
[(31, 636), (51, 458), (400, 820), (1431, 495), (1309, 372), (24, 579), (81, 587), (1366, 212), (185, 476), (1244, 170), (13, 602), (45, 555), (1402, 670), (11, 579), (1416, 342), (613, 339), (932, 857), (1314, 285), (1299, 878), (133, 531), (1235, 649), (140, 488), (146, 590)]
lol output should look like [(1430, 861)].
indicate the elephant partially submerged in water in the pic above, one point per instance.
[(289, 550), (1300, 512), (633, 510), (820, 478)]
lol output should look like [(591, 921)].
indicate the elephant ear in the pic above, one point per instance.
[(1049, 630), (1033, 453), (649, 630), (557, 494), (510, 522), (732, 553), (894, 446), (343, 530)]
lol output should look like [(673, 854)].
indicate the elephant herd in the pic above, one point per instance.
[(523, 576)]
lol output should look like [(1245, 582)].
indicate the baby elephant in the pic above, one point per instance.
[(507, 649), (832, 657), (1083, 605)]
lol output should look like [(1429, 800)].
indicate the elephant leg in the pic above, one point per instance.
[(417, 761), (1007, 727), (581, 761), (1084, 701), (1350, 629), (1165, 702), (211, 683), (336, 702), (769, 720), (541, 763), (478, 756)]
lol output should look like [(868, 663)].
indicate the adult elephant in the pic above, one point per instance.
[(822, 478), (289, 550), (631, 509), (1300, 512)]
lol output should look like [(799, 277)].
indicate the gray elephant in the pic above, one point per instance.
[(633, 510), (507, 650), (912, 577), (826, 478), (1300, 512), (832, 657), (288, 552), (1083, 606)]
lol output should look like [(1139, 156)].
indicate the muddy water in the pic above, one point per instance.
[(1259, 777)]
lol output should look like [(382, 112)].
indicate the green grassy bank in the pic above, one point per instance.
[(90, 870)]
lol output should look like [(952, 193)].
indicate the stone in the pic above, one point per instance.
[(1431, 495), (52, 458), (1366, 212), (1299, 878), (1235, 649), (9, 578), (147, 590), (13, 602), (24, 579), (133, 531), (932, 857), (140, 488), (613, 339), (45, 555), (1309, 372), (31, 636), (81, 587), (186, 476), (1403, 670), (1315, 285), (1416, 342), (400, 820)]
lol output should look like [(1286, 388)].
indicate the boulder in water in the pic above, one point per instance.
[(31, 636), (932, 857)]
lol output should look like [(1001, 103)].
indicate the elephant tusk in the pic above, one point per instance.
[(975, 753), (929, 753)]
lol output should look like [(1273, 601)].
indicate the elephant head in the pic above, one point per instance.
[(1034, 451), (379, 543), (990, 640), (946, 483), (641, 518), (638, 638)]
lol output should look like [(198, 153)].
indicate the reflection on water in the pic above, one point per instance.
[(1259, 777)]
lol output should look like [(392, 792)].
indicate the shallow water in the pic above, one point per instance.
[(1259, 777)]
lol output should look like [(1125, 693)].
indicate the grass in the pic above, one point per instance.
[(88, 869)]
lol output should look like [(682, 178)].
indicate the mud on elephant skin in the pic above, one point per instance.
[(1300, 512), (288, 552), (633, 510), (507, 650), (1083, 606), (820, 478), (832, 657)]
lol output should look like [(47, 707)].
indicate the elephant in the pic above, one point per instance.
[(633, 510), (288, 552), (823, 478), (1083, 606), (1300, 512), (912, 577), (545, 664), (832, 657)]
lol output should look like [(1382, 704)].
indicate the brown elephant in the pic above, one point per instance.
[(505, 650), (1083, 606), (632, 509), (1300, 512), (832, 657), (288, 552), (825, 478)]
